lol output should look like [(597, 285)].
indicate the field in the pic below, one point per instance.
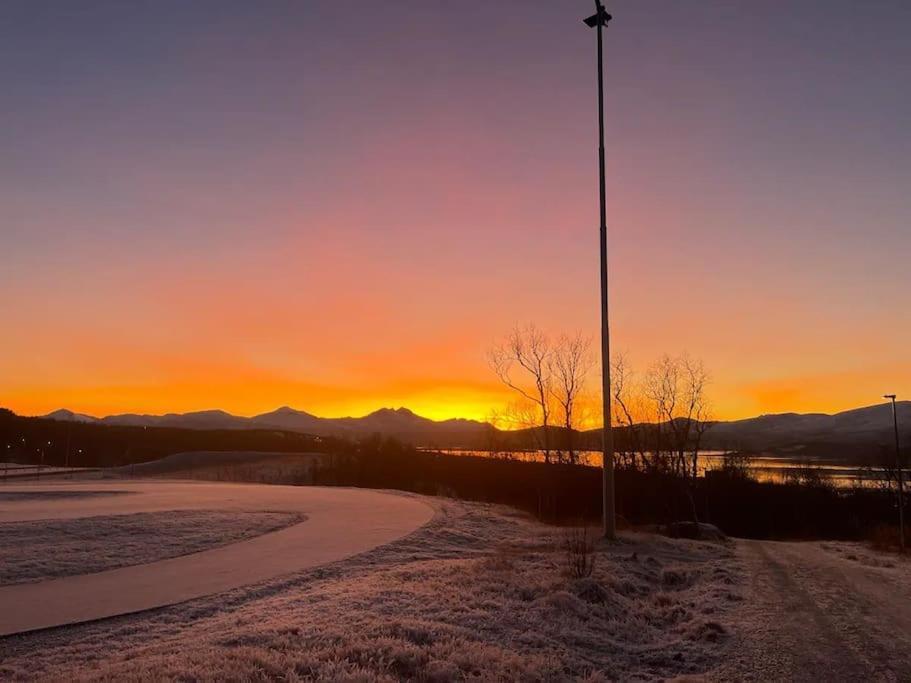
[(480, 591), (472, 591)]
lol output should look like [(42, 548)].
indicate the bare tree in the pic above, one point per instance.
[(737, 464), (677, 387), (699, 409), (630, 412), (494, 441), (520, 419), (571, 363), (886, 474), (662, 388), (523, 363)]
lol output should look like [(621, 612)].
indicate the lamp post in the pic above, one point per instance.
[(901, 478), (599, 21)]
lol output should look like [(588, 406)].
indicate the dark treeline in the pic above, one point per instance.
[(563, 493), (53, 443)]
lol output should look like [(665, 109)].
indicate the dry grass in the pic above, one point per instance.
[(868, 555), (481, 593), (579, 552), (239, 466)]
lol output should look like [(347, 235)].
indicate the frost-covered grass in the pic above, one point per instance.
[(479, 593), (39, 550), (243, 466), (864, 554)]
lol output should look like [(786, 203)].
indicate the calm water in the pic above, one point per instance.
[(763, 468)]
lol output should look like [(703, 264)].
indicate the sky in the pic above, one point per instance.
[(341, 207)]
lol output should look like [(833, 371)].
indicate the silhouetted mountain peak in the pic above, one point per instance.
[(398, 417), (285, 411), (215, 412), (64, 415), (389, 412)]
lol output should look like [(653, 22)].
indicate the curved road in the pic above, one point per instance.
[(339, 523), (812, 614)]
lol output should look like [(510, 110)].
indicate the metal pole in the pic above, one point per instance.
[(609, 520), (69, 436), (901, 481)]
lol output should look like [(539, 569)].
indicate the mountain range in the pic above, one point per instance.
[(871, 425), (868, 425), (400, 423)]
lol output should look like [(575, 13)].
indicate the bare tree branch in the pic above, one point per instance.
[(523, 363)]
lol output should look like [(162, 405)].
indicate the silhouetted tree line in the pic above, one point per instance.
[(565, 493), (33, 440)]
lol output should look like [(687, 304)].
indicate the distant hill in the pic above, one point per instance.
[(867, 426), (400, 423), (204, 419)]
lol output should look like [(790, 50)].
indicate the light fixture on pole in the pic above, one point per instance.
[(901, 479), (599, 21)]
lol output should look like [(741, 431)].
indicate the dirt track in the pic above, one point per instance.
[(818, 611)]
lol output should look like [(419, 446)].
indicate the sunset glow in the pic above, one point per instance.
[(242, 209)]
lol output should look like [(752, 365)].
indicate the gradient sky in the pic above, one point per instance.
[(340, 206)]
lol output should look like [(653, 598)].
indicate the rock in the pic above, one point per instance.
[(695, 530)]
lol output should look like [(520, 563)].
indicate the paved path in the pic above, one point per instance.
[(339, 523), (813, 614)]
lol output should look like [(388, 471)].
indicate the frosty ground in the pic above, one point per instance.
[(38, 550), (484, 593), (340, 523), (821, 611), (480, 592)]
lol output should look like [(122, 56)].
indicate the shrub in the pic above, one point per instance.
[(578, 548)]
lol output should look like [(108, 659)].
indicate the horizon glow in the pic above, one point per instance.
[(224, 205)]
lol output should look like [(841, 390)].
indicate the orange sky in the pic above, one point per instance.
[(341, 219)]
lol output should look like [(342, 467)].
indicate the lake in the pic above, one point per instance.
[(763, 467)]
